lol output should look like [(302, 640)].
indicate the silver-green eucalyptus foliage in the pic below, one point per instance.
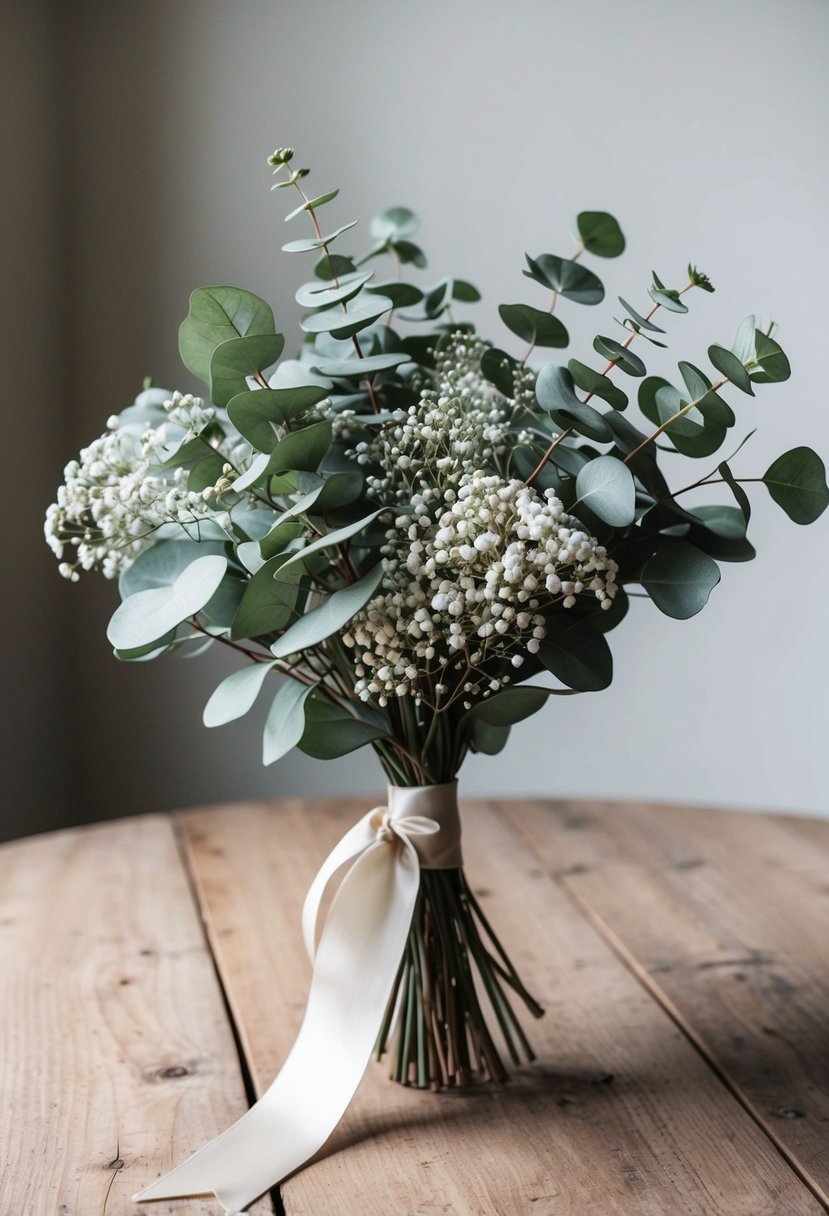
[(261, 528)]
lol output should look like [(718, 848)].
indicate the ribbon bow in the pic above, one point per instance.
[(355, 965)]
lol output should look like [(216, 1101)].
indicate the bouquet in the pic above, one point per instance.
[(405, 527)]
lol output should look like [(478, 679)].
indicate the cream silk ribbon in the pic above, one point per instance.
[(355, 966)]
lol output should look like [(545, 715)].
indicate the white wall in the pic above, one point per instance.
[(701, 126)]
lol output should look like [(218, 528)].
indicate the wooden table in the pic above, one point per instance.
[(153, 978)]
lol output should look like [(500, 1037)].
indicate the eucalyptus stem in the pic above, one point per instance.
[(443, 1040)]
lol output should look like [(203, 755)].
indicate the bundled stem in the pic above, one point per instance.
[(453, 968)]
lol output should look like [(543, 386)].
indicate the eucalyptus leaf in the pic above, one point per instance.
[(743, 347), (357, 368), (316, 242), (570, 279), (286, 721), (533, 325), (257, 412), (619, 355), (555, 393), (149, 615), (338, 537), (348, 319), (593, 382), (321, 295), (499, 368), (162, 563), (332, 730), (509, 706), (773, 366), (605, 485), (311, 204), (395, 223), (679, 578), (331, 615), (233, 361), (642, 322), (797, 483), (727, 364), (600, 234), (487, 739), (667, 297), (736, 489), (268, 604), (303, 450), (236, 694), (280, 536), (576, 653), (217, 315)]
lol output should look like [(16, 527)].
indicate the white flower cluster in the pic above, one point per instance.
[(469, 589), (116, 495), (460, 421)]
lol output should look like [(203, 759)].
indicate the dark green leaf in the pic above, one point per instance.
[(487, 739), (576, 653), (600, 234), (280, 536), (667, 297), (233, 361), (332, 731), (333, 266), (555, 393), (727, 364), (407, 252), (642, 322), (619, 355), (499, 368), (679, 579), (736, 489), (570, 279), (509, 706), (727, 522), (773, 364), (402, 295), (590, 381), (533, 325), (797, 483)]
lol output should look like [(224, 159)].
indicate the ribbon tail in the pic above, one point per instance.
[(356, 964)]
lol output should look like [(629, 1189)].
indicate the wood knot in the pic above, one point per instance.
[(790, 1112), (117, 1164), (174, 1072)]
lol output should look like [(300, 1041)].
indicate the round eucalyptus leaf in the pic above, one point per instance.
[(217, 315), (395, 223), (256, 413), (600, 234), (555, 393), (499, 368), (333, 266), (797, 483), (487, 739), (533, 325), (233, 361), (605, 486), (773, 364), (725, 521), (570, 279), (149, 615), (743, 346), (667, 297), (162, 563), (301, 450), (509, 706), (576, 653), (268, 604), (402, 295), (679, 578)]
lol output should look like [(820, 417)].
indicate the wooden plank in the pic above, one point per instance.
[(619, 1116), (726, 916), (118, 1059)]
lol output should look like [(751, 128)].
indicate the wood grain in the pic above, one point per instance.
[(117, 1056), (726, 916), (619, 1116)]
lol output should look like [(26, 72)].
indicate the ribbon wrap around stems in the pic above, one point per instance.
[(355, 966)]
